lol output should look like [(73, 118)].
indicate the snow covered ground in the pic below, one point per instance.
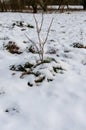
[(70, 7), (56, 105)]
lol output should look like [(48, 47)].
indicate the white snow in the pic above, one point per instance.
[(56, 105), (70, 7)]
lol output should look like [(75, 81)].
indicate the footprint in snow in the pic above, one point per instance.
[(2, 92), (12, 110)]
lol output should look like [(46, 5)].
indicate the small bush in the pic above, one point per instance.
[(78, 45), (13, 48)]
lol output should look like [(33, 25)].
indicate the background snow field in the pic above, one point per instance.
[(59, 102)]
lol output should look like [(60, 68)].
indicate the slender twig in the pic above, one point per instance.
[(30, 39), (37, 30), (42, 20), (48, 31), (34, 43)]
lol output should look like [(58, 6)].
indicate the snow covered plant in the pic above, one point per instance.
[(40, 44)]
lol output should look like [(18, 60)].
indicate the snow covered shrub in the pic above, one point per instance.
[(38, 47), (20, 67), (33, 49), (13, 48), (22, 24), (78, 45)]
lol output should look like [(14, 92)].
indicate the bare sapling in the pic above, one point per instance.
[(40, 44)]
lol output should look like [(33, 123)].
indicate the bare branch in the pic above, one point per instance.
[(37, 29), (37, 26), (42, 20), (38, 49), (48, 31), (30, 39), (32, 42), (36, 22)]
